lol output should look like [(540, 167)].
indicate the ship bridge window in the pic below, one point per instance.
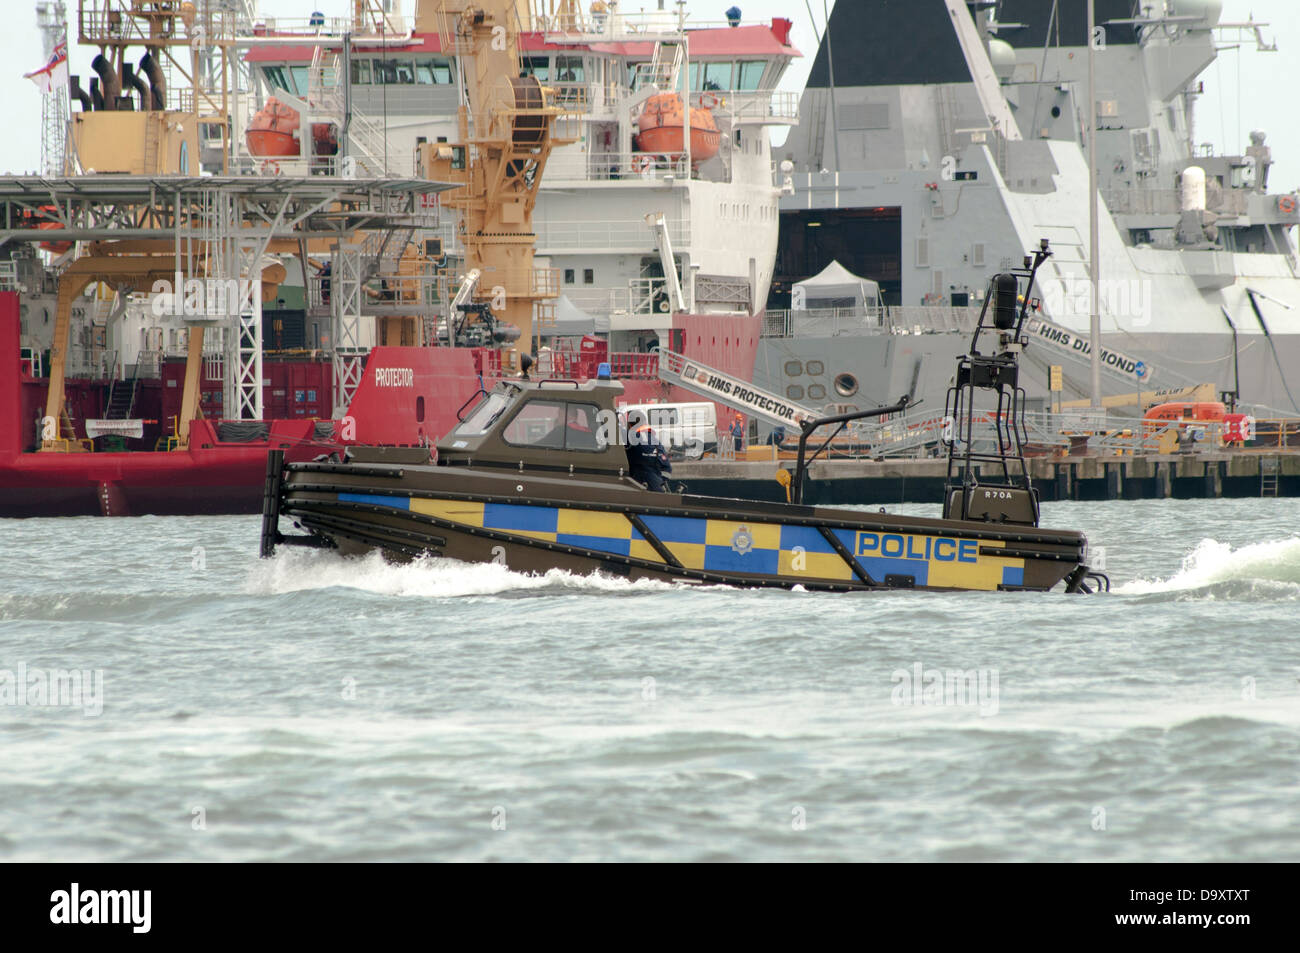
[(394, 72), (539, 66), (717, 76), (568, 69), (275, 78), (300, 82), (749, 75), (435, 72), (555, 425), (361, 72)]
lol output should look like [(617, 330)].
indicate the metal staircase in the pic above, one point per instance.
[(121, 399), (366, 144)]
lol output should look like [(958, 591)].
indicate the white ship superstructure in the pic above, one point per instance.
[(633, 235)]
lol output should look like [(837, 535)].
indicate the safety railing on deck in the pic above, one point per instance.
[(1169, 201), (922, 434), (611, 166), (763, 106), (555, 236)]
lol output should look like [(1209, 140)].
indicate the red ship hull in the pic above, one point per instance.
[(408, 396)]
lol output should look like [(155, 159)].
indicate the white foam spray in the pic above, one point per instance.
[(1212, 563), (295, 570)]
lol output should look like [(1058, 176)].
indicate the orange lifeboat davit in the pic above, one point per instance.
[(660, 127), (273, 133)]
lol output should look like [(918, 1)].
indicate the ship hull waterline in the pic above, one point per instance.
[(533, 524)]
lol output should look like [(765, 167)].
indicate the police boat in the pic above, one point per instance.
[(537, 476)]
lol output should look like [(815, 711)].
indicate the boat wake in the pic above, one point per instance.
[(1264, 571), (296, 570)]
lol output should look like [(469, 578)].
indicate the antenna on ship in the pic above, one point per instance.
[(1094, 324), (51, 20)]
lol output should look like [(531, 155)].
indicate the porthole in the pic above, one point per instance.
[(794, 392), (816, 392), (846, 385), (793, 368), (816, 368)]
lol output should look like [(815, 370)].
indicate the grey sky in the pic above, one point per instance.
[(1245, 89)]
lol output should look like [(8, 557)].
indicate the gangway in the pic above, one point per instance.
[(730, 391)]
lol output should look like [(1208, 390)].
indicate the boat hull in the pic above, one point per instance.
[(534, 523)]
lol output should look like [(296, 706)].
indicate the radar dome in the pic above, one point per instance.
[(1003, 58)]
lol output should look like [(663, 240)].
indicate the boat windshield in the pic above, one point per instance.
[(483, 416)]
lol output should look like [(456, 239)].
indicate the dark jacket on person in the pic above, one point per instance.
[(647, 459)]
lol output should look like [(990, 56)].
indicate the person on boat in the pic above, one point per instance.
[(646, 457), (738, 432), (776, 437)]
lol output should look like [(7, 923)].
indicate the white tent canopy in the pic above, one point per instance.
[(836, 287), (571, 321)]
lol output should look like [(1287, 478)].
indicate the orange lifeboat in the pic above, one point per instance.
[(47, 217), (661, 127), (273, 133)]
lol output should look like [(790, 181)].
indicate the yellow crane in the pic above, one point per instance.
[(506, 135)]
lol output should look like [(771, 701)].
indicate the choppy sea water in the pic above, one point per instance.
[(316, 708)]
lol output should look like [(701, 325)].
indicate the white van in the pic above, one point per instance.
[(684, 429)]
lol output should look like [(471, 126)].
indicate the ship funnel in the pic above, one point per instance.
[(158, 86), (108, 81), (79, 94), (131, 79), (1192, 187), (96, 100)]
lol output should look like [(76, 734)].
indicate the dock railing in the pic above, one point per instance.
[(832, 322), (921, 434)]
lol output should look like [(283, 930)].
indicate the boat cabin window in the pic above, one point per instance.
[(483, 416), (555, 425), (300, 82), (361, 72)]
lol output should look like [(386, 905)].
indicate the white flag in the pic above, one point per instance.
[(54, 74)]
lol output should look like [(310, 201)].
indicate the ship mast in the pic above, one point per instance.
[(1094, 332), (51, 20)]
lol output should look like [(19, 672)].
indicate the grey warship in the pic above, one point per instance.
[(935, 131)]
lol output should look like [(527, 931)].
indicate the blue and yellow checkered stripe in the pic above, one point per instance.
[(732, 546)]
